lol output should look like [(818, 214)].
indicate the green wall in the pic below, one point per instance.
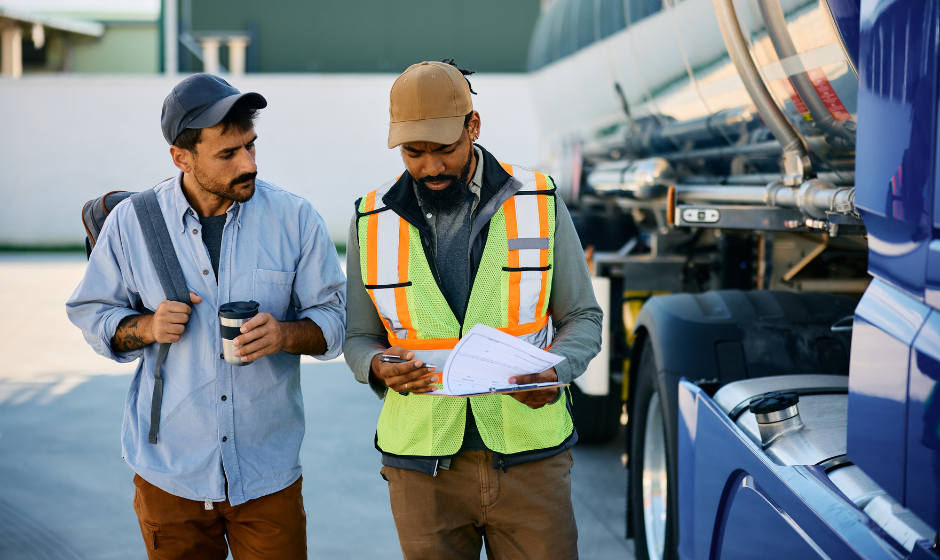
[(376, 35), (124, 48)]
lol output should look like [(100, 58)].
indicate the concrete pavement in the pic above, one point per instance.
[(65, 491)]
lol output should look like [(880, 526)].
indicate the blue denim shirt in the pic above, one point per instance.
[(276, 251)]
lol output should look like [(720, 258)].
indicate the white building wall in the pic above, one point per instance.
[(67, 139)]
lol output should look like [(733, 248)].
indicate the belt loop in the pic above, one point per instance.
[(499, 462)]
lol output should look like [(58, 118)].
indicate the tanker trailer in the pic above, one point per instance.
[(707, 149)]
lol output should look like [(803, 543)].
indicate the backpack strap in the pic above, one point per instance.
[(167, 265)]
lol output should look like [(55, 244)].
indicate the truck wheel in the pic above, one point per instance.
[(652, 469), (596, 417)]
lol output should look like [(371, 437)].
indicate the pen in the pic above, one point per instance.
[(514, 388), (396, 360), (388, 358)]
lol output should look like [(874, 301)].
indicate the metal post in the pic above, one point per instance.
[(236, 55), (210, 55), (170, 38), (11, 51)]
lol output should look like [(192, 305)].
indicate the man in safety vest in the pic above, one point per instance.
[(460, 239)]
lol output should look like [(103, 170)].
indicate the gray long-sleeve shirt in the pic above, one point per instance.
[(576, 316)]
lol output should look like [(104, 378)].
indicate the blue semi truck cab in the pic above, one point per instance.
[(755, 185)]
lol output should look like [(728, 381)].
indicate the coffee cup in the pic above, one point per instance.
[(232, 316)]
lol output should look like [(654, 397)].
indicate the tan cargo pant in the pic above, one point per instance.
[(525, 512), (272, 526)]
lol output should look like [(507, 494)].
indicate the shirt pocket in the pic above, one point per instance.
[(272, 290)]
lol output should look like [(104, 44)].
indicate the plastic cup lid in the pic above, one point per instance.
[(239, 309)]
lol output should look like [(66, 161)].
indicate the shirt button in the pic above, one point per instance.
[(224, 439), (221, 356), (223, 397), (190, 211), (195, 232), (205, 272), (429, 215)]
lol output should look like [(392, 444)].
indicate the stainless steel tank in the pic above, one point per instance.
[(629, 79)]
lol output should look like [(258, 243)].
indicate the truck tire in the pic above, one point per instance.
[(652, 470), (596, 418)]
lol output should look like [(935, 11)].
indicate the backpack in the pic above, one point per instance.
[(164, 258), (95, 212)]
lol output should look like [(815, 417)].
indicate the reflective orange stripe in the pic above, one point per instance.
[(372, 249), (542, 185), (528, 328), (449, 343), (372, 245), (401, 298), (425, 344), (515, 278)]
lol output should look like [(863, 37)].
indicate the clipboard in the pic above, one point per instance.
[(485, 359), (498, 391)]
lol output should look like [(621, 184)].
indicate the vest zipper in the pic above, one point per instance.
[(466, 304)]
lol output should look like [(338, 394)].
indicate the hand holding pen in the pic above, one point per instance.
[(398, 369)]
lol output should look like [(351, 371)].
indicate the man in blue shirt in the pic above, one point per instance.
[(226, 463)]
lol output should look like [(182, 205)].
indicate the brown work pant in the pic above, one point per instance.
[(272, 526), (525, 512)]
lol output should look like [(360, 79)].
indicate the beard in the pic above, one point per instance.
[(228, 191), (449, 198)]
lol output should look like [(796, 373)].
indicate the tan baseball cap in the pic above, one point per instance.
[(428, 103)]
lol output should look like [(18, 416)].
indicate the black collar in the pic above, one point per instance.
[(401, 197)]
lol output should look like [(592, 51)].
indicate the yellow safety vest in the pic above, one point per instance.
[(510, 292)]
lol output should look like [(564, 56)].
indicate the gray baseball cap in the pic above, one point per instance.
[(201, 101)]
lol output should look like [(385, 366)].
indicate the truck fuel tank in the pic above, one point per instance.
[(796, 420), (802, 420)]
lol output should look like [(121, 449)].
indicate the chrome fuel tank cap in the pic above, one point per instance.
[(777, 415)]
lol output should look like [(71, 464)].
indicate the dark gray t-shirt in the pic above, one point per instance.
[(212, 236), (452, 254), (453, 266), (451, 232)]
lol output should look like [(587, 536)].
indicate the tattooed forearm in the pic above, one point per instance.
[(130, 334)]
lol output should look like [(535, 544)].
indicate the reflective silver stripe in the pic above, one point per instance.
[(528, 243), (541, 338), (387, 269), (528, 227), (380, 192)]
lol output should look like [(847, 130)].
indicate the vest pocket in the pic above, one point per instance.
[(386, 286), (526, 268)]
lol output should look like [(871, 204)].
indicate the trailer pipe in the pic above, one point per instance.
[(796, 164), (814, 198), (776, 25)]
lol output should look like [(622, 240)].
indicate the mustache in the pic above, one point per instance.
[(436, 178), (243, 178)]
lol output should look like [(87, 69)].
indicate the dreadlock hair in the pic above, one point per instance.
[(462, 71)]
